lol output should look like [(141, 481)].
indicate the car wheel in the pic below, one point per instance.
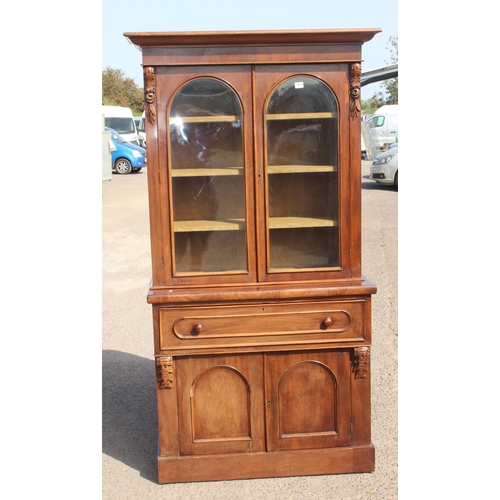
[(123, 166), (137, 170)]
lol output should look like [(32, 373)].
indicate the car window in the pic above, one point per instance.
[(122, 125), (142, 125), (117, 138), (377, 121)]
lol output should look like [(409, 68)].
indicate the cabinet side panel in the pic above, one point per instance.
[(361, 397), (168, 429), (354, 121)]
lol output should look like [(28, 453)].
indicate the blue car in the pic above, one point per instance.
[(125, 157)]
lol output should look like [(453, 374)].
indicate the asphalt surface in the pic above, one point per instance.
[(129, 422)]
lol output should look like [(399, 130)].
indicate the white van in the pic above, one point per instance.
[(384, 126), (122, 121), (141, 130)]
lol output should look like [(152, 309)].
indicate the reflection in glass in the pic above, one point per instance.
[(206, 159), (302, 169)]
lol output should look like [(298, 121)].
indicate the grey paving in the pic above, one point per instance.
[(129, 431)]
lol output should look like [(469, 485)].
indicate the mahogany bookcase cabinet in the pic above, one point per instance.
[(262, 318)]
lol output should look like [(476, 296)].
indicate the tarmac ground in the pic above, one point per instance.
[(129, 422)]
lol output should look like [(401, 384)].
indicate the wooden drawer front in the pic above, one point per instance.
[(305, 323)]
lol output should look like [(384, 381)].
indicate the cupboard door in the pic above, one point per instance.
[(301, 170), (220, 404), (308, 398), (208, 188), (206, 160)]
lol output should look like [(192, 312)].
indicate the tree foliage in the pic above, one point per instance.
[(390, 96), (391, 86), (120, 90)]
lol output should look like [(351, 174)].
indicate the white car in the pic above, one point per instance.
[(384, 168)]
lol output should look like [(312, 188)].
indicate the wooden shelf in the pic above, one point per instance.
[(272, 169), (299, 116), (235, 118), (204, 119), (191, 226), (300, 169), (299, 222), (203, 172)]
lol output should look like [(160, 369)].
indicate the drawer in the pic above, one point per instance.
[(262, 325)]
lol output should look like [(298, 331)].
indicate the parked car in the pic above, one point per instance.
[(121, 119), (141, 130), (125, 156), (384, 168)]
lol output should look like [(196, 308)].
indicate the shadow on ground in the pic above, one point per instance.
[(129, 420), (367, 183)]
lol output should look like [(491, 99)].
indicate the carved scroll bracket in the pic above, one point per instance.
[(355, 90), (361, 361), (149, 94), (165, 372)]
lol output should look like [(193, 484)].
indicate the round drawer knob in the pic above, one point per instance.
[(197, 329), (328, 322)]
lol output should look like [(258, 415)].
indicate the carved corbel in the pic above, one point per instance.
[(149, 94), (355, 90), (165, 372), (361, 361)]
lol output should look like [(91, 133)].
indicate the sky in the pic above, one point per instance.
[(119, 16)]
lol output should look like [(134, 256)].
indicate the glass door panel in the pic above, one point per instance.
[(302, 176), (208, 189)]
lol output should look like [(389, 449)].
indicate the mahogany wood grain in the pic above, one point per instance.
[(338, 460), (220, 404), (266, 37), (308, 400), (263, 356)]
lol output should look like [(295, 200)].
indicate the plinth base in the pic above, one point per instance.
[(342, 460)]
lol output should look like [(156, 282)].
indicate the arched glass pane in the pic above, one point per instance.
[(302, 176), (206, 161)]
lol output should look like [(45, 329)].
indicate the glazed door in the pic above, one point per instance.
[(209, 163), (308, 398), (220, 401), (303, 171)]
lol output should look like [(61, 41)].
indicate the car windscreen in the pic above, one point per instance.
[(122, 125), (376, 121), (117, 138), (142, 125)]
